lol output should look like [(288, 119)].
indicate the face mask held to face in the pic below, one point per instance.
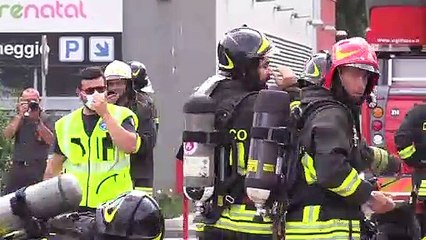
[(90, 99)]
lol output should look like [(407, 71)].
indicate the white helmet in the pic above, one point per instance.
[(118, 70)]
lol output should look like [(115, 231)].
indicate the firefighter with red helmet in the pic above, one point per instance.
[(326, 200), (378, 160)]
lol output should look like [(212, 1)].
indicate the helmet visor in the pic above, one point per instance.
[(362, 66), (116, 77)]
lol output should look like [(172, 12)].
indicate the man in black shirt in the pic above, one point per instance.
[(32, 141)]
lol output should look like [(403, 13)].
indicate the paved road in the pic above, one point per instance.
[(174, 228)]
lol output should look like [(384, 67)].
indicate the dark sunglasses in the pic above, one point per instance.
[(92, 90)]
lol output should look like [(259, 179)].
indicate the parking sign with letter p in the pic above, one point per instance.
[(71, 49)]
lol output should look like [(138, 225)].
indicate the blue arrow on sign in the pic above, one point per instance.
[(103, 50)]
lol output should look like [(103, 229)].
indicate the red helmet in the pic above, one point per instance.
[(354, 52)]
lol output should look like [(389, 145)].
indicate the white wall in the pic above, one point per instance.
[(260, 15), (294, 38)]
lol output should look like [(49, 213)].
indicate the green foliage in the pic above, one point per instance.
[(351, 15), (170, 203), (6, 146)]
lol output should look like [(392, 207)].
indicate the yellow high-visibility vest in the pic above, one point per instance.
[(103, 171)]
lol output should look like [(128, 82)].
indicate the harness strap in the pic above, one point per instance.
[(232, 188), (34, 228)]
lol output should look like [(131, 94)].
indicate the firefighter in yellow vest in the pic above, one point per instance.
[(94, 142)]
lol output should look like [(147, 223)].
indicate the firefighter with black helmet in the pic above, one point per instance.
[(327, 197), (410, 141), (142, 164), (142, 84), (243, 70), (128, 86), (132, 215)]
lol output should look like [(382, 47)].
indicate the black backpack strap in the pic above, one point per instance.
[(233, 186), (33, 227), (300, 117), (317, 106), (226, 110)]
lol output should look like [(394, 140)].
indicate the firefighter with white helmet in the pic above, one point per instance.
[(125, 85)]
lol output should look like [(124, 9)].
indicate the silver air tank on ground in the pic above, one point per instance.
[(264, 166), (43, 200), (199, 141)]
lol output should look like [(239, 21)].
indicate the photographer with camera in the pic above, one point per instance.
[(32, 141)]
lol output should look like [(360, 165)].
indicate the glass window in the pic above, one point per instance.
[(62, 81), (409, 69), (14, 79)]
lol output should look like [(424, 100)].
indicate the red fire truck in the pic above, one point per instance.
[(397, 30)]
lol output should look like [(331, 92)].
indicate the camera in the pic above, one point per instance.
[(33, 105)]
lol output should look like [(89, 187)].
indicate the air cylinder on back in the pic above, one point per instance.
[(268, 134), (200, 140)]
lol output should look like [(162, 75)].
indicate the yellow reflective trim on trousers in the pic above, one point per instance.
[(331, 236), (330, 229), (309, 169), (230, 220), (349, 185), (311, 213), (245, 227), (407, 152), (147, 190), (238, 212), (294, 104), (321, 226), (241, 158)]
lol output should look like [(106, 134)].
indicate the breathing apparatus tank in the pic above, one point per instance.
[(199, 142), (42, 201), (268, 139)]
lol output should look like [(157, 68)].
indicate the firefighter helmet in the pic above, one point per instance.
[(354, 52), (132, 215), (241, 49), (316, 68), (118, 70), (140, 77)]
